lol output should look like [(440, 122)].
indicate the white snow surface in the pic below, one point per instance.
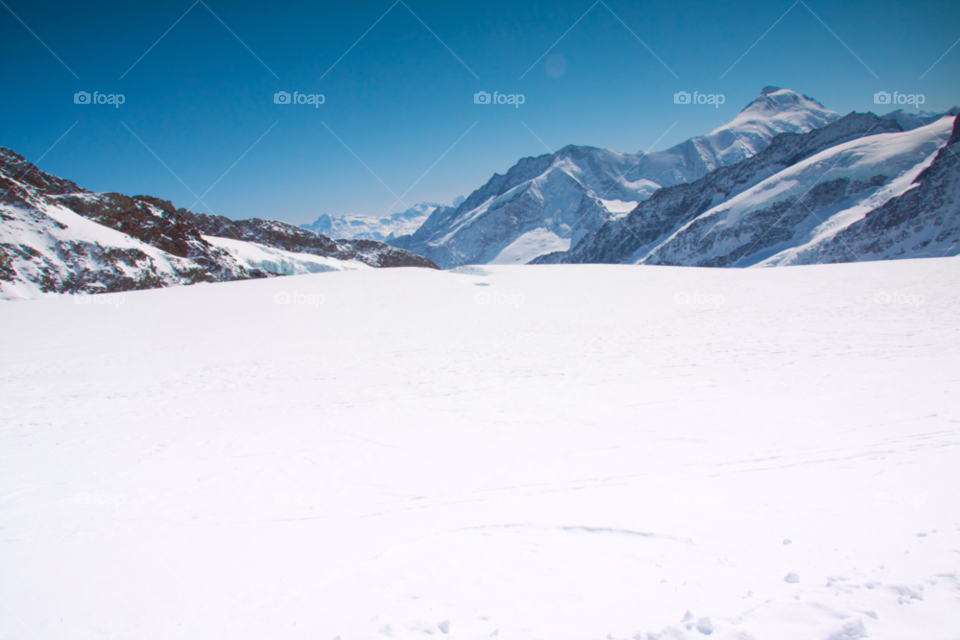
[(620, 206), (569, 452), (530, 245), (277, 261)]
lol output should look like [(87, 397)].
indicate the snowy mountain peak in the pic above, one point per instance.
[(783, 106), (549, 202), (776, 100)]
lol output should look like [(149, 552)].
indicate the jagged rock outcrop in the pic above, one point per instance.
[(56, 237)]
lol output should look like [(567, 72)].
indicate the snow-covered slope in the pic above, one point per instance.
[(922, 222), (253, 256), (550, 202), (383, 228), (798, 197), (50, 249), (571, 452), (910, 121), (787, 218), (56, 237), (635, 235)]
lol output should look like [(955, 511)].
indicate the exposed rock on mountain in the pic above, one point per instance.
[(548, 203), (57, 237), (857, 189), (924, 222)]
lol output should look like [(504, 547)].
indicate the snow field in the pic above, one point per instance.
[(557, 452)]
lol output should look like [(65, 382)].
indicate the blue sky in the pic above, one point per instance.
[(199, 109)]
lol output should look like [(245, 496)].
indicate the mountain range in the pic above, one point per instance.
[(859, 188), (383, 228), (584, 204), (56, 237), (550, 202), (786, 182)]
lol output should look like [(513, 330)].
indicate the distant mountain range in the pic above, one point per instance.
[(551, 202), (910, 121), (56, 237), (382, 228), (585, 204), (786, 182)]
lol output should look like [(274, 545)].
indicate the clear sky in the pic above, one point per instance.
[(199, 79)]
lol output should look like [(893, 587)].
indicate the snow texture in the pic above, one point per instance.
[(568, 452)]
